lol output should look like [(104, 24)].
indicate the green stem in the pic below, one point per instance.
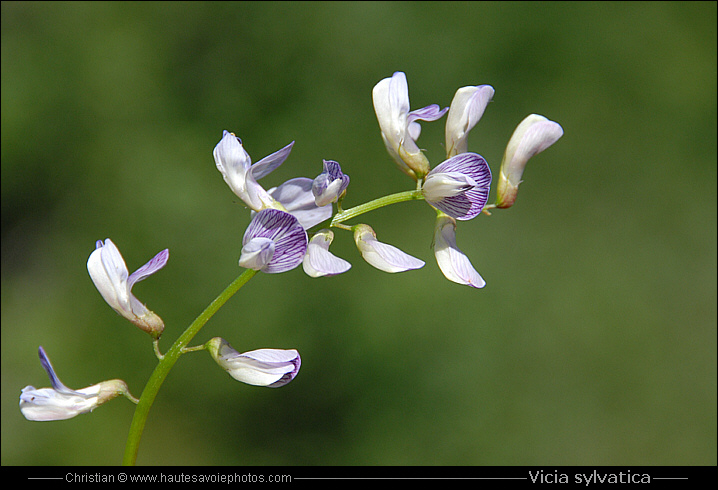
[(375, 204), (168, 360)]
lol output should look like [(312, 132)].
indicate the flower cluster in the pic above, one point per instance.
[(281, 235), (457, 188)]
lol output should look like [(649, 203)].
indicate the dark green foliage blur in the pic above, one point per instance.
[(593, 343)]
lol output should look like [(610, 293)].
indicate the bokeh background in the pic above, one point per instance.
[(594, 341)]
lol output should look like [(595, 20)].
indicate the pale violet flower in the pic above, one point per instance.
[(274, 242), (110, 275), (262, 367), (466, 110), (381, 255), (398, 125), (330, 184), (453, 263), (319, 261), (532, 136), (61, 402), (296, 196), (459, 186), (236, 167)]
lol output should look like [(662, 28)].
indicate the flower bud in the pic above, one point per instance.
[(329, 186), (263, 367), (532, 136)]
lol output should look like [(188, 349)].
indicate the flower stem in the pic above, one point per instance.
[(168, 360), (375, 204)]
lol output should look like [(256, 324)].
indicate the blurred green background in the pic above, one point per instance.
[(593, 343)]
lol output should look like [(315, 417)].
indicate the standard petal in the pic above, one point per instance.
[(288, 235), (319, 261), (453, 263), (381, 255), (463, 205), (466, 110)]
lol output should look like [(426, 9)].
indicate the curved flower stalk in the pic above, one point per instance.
[(109, 273), (61, 402), (454, 264), (274, 242), (466, 110), (532, 136), (263, 367), (398, 125), (381, 255), (330, 185), (319, 261), (459, 186)]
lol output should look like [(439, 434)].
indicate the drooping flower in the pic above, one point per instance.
[(319, 261), (459, 186), (381, 255), (454, 264), (398, 125), (109, 273), (274, 242), (263, 367), (532, 136), (466, 110), (61, 402), (330, 184), (236, 167)]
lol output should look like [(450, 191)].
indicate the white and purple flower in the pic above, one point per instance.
[(294, 196), (398, 125), (459, 186), (262, 367), (329, 186), (109, 273), (274, 242), (61, 402)]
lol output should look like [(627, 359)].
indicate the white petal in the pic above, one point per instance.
[(453, 263), (381, 255), (319, 261)]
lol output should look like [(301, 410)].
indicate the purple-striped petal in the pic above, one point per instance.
[(330, 184), (288, 235), (467, 201), (262, 367)]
